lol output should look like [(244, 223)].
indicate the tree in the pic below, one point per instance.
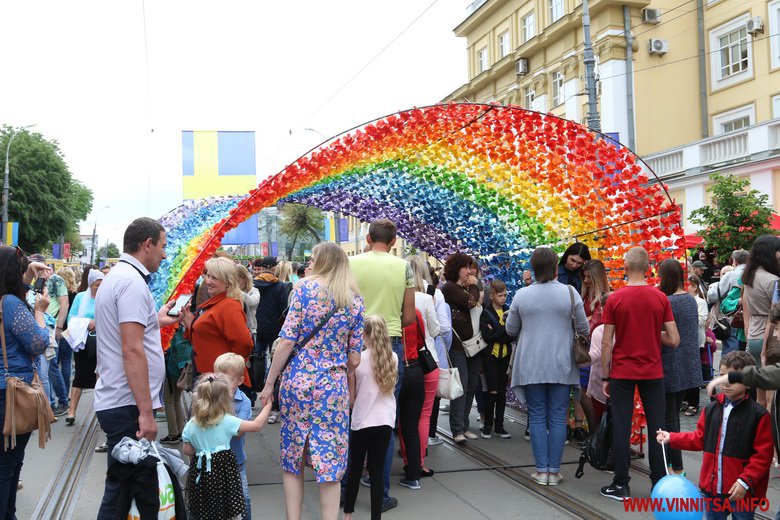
[(299, 220), (108, 251), (736, 216), (44, 197)]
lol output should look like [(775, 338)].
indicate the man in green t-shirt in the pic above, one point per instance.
[(386, 284)]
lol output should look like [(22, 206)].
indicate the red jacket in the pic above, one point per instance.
[(414, 337), (220, 328), (741, 459)]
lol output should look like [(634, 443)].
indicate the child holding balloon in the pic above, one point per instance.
[(731, 469)]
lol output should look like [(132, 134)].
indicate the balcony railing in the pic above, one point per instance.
[(717, 151)]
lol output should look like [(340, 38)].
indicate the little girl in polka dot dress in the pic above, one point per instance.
[(214, 484)]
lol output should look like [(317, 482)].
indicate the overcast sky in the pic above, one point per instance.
[(117, 100)]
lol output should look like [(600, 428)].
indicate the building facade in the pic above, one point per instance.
[(692, 87)]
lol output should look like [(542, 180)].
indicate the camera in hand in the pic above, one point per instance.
[(40, 283)]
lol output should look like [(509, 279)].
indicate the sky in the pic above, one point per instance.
[(115, 83)]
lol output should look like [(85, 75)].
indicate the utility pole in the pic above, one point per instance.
[(594, 123)]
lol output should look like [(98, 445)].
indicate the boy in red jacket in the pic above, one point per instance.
[(731, 468)]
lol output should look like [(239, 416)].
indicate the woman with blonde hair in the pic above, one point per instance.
[(371, 388), (283, 271), (319, 345), (220, 325)]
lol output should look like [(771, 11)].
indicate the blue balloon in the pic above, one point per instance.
[(680, 499)]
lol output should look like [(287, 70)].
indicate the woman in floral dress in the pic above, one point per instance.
[(313, 397)]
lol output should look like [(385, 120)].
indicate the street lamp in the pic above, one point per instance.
[(94, 232), (6, 184)]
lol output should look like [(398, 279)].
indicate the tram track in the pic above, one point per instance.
[(635, 465), (59, 498), (553, 495)]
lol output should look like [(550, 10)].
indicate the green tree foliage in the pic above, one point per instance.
[(45, 199), (736, 216), (299, 220), (108, 251)]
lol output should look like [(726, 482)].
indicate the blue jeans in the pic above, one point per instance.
[(65, 357), (547, 405), (10, 468), (730, 345), (117, 423), (59, 387), (245, 489), (398, 348), (42, 366)]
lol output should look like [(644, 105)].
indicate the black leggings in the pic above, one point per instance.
[(372, 441), (410, 403), (672, 419)]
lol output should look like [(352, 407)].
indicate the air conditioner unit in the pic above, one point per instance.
[(755, 25), (521, 66), (652, 16), (658, 46)]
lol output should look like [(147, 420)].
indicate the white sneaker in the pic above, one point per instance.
[(273, 417), (471, 435), (434, 441)]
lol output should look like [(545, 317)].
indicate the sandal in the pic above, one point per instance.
[(691, 411)]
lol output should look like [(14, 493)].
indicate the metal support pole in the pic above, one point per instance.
[(590, 76)]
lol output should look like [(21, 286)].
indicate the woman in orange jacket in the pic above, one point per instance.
[(219, 325)]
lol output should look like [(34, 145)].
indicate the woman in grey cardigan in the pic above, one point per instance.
[(544, 362)]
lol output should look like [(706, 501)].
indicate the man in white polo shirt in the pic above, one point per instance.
[(130, 361)]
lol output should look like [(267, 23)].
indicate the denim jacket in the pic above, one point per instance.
[(24, 339)]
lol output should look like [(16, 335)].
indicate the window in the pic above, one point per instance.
[(773, 8), (557, 89), (504, 45), (733, 120), (482, 60), (529, 26), (556, 10), (731, 52), (776, 107), (528, 98), (736, 124)]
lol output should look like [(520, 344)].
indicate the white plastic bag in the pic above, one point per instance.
[(165, 490), (449, 384)]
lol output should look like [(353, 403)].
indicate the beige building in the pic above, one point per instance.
[(693, 87)]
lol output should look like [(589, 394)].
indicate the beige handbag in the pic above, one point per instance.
[(27, 407)]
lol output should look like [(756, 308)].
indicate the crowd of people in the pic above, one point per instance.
[(348, 352)]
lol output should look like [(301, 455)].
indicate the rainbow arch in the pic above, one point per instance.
[(493, 181)]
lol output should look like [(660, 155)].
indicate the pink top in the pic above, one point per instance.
[(595, 387), (371, 407)]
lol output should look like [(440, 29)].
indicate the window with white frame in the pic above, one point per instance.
[(482, 60), (529, 26), (504, 45), (556, 10), (734, 120), (557, 89), (731, 58), (776, 107), (773, 8), (528, 98)]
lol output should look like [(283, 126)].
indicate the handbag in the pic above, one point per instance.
[(772, 353), (732, 307), (450, 386), (185, 378), (580, 345), (722, 329), (424, 356), (27, 407)]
